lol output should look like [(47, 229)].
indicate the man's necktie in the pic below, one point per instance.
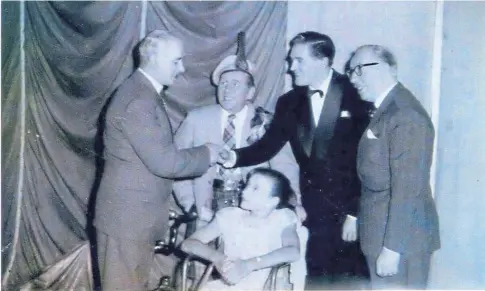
[(311, 92), (229, 140)]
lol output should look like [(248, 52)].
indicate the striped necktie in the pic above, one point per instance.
[(229, 140)]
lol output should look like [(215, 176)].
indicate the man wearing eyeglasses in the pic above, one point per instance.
[(398, 222), (323, 119)]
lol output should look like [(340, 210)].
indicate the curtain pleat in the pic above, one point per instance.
[(76, 54), (209, 32)]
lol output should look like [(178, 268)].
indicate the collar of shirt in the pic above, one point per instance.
[(324, 85), (316, 100), (238, 123), (158, 87), (383, 95)]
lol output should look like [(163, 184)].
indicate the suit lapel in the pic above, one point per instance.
[(161, 106), (214, 125), (306, 124), (328, 118), (247, 125), (382, 108)]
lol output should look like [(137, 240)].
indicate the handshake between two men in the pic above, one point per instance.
[(221, 155)]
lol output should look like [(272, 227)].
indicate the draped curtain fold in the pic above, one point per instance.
[(76, 54), (209, 32)]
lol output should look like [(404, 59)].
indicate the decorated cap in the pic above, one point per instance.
[(236, 62)]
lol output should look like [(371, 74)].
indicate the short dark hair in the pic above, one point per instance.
[(321, 45), (281, 186)]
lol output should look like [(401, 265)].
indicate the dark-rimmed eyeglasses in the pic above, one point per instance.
[(358, 69)]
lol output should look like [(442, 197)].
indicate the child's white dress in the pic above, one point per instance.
[(244, 239)]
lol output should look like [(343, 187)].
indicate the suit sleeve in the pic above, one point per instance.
[(360, 120), (152, 142), (410, 156), (285, 162), (184, 139), (270, 143)]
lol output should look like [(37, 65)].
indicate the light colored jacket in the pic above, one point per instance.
[(203, 125)]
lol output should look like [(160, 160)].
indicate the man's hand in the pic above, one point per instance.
[(227, 158), (349, 229), (300, 212), (387, 263), (214, 151), (224, 156)]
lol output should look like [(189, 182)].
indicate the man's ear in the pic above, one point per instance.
[(251, 93), (325, 61)]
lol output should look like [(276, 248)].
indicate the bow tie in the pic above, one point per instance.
[(311, 92)]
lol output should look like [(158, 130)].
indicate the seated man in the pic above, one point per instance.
[(234, 122)]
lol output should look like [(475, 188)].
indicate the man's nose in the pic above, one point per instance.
[(182, 67)]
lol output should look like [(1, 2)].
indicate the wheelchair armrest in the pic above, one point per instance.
[(273, 274), (205, 276), (168, 247)]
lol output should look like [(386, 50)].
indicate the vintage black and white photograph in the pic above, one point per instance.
[(243, 145)]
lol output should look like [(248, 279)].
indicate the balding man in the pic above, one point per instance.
[(141, 163), (398, 222)]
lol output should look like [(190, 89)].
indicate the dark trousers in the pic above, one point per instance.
[(329, 258), (412, 274)]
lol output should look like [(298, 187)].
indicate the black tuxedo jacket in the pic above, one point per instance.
[(326, 152)]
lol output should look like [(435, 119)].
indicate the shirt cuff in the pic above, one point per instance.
[(352, 217)]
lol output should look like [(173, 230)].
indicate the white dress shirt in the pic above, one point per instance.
[(383, 95), (316, 100), (158, 87)]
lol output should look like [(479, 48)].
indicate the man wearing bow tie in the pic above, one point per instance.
[(398, 222), (323, 119)]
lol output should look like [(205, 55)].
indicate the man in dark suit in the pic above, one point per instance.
[(398, 222), (323, 119), (141, 162)]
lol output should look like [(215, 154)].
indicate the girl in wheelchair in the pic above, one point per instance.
[(260, 234)]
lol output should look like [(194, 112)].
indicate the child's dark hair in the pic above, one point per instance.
[(281, 188)]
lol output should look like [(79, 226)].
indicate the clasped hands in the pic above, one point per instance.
[(233, 271), (218, 153)]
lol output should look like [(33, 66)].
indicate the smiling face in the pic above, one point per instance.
[(306, 68), (234, 91), (370, 74), (257, 194)]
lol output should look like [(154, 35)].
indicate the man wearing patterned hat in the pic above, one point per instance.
[(234, 122)]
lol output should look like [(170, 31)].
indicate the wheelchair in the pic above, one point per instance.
[(279, 276), (170, 246)]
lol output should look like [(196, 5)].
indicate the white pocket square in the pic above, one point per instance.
[(370, 134), (345, 114)]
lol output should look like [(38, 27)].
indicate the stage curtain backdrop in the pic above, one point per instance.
[(76, 54)]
